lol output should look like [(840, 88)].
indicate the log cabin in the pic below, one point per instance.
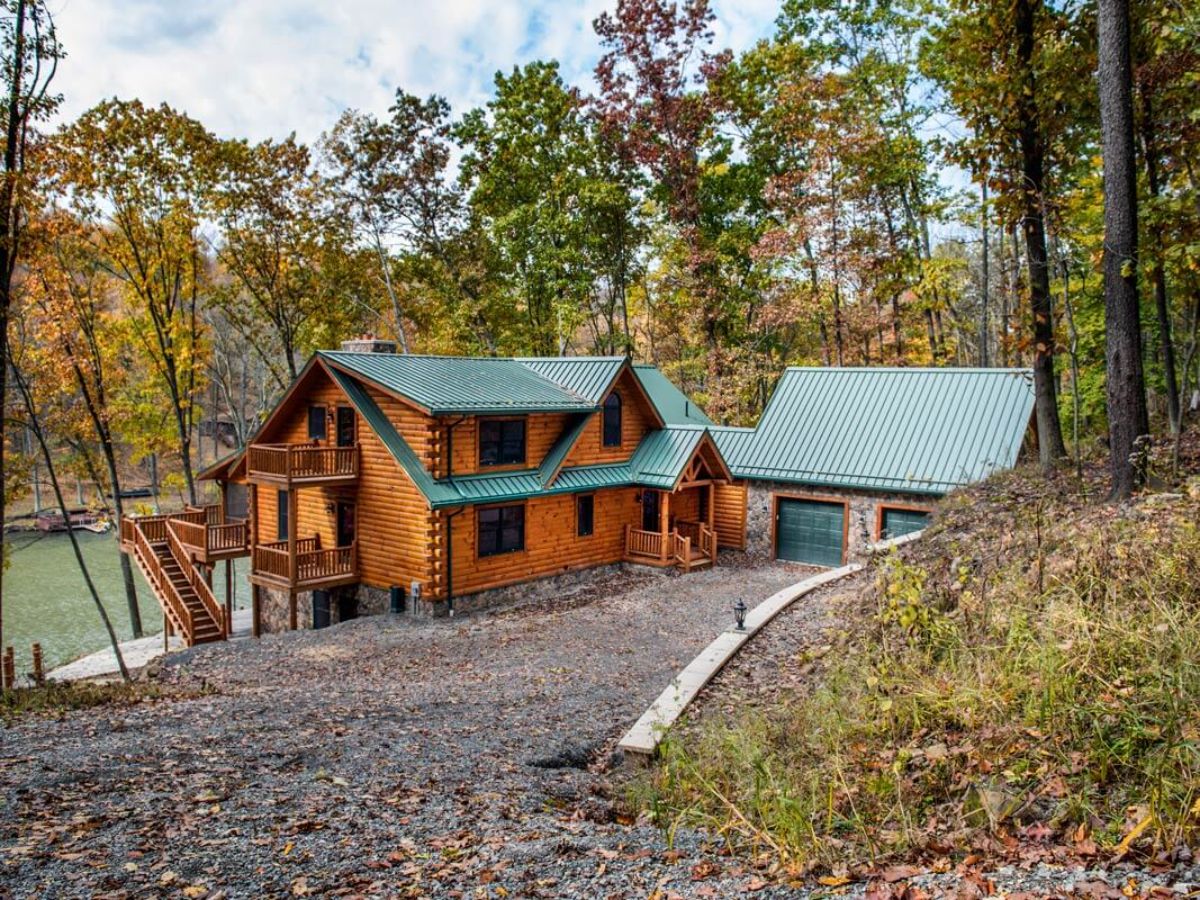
[(433, 484), (430, 484)]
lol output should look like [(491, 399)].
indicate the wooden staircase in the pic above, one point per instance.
[(185, 596)]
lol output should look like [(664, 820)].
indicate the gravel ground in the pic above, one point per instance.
[(385, 756)]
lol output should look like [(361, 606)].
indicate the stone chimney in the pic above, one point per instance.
[(368, 343)]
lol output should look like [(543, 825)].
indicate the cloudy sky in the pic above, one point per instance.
[(265, 68)]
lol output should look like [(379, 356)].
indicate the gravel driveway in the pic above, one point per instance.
[(382, 757)]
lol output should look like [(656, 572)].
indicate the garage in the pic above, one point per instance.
[(810, 531), (896, 522)]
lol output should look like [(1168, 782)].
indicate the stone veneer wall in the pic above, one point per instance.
[(863, 507), (375, 601)]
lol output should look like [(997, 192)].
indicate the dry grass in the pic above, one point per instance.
[(1028, 674), (56, 698)]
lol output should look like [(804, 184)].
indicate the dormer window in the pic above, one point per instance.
[(612, 420), (501, 442)]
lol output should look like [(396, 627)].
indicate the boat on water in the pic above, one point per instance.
[(53, 520)]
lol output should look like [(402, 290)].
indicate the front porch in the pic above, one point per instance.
[(686, 540)]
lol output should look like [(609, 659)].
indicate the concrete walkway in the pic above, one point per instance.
[(137, 653)]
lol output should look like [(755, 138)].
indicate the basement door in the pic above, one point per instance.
[(809, 531)]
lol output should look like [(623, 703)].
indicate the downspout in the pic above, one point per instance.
[(450, 560), (450, 518)]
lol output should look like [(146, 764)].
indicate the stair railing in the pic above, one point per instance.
[(164, 591), (195, 579)]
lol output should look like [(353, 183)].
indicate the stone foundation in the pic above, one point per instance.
[(545, 587), (864, 512), (274, 606)]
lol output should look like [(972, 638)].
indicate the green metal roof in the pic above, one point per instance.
[(922, 431), (672, 404), (657, 462), (661, 456), (588, 377), (452, 384), (558, 453), (392, 439)]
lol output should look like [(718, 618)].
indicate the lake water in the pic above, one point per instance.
[(46, 599)]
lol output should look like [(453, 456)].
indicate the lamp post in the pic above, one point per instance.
[(739, 614)]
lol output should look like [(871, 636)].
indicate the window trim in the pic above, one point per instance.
[(579, 498), (524, 420), (314, 407), (619, 407), (479, 554), (902, 507)]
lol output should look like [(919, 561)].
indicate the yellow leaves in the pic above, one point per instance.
[(1126, 842), (833, 880), (195, 890)]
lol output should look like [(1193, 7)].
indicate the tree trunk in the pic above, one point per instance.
[(985, 276), (1161, 304), (36, 427), (1050, 439), (1128, 419)]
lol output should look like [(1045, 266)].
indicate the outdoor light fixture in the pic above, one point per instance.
[(739, 613)]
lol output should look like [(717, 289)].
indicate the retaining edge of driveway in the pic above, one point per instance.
[(642, 740)]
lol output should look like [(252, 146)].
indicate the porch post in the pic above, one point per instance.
[(664, 518), (255, 610), (252, 521), (712, 496), (228, 597), (166, 633), (291, 538)]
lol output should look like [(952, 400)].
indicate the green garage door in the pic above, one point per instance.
[(808, 531), (898, 522)]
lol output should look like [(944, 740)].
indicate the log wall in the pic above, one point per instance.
[(551, 543), (636, 421), (729, 515)]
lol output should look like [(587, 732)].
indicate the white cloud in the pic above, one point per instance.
[(265, 68)]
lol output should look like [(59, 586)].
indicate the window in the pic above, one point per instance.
[(345, 427), (316, 423), (281, 515), (501, 529), (501, 442), (585, 514), (612, 420), (895, 521)]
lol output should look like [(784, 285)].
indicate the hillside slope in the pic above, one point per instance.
[(1018, 686)]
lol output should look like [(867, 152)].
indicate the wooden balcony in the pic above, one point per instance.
[(204, 534), (286, 465), (208, 537), (314, 567)]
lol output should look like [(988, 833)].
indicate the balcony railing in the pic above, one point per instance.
[(205, 536), (314, 566), (303, 463), (646, 544)]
